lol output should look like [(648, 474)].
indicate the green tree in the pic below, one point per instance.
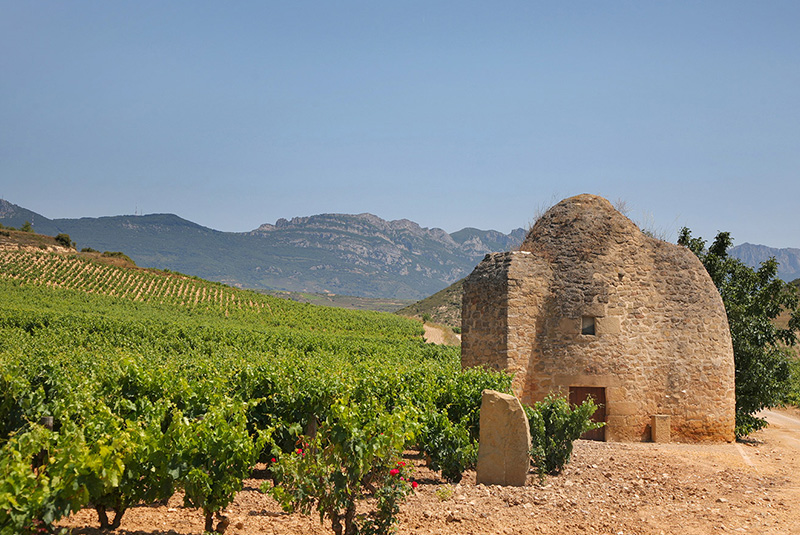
[(26, 227), (753, 299), (64, 239)]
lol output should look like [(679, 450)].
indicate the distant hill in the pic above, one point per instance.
[(359, 255), (15, 216), (752, 255), (443, 307)]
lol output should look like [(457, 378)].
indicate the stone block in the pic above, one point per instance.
[(660, 428), (595, 310), (607, 325), (505, 440), (569, 326)]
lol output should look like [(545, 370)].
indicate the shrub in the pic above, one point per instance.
[(118, 254), (451, 427), (554, 426), (448, 446), (460, 396), (31, 500), (355, 453), (140, 451), (64, 239), (218, 453)]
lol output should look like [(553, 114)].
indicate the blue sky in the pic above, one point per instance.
[(451, 114)]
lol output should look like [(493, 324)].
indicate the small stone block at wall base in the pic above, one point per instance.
[(659, 428), (505, 441)]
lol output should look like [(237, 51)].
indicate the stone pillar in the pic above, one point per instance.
[(505, 440)]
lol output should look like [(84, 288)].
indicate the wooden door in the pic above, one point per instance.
[(579, 394)]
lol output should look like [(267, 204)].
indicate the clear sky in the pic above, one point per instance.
[(451, 114)]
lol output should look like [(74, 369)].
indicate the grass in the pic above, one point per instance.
[(443, 307), (343, 301)]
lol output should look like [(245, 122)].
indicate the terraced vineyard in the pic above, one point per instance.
[(77, 273)]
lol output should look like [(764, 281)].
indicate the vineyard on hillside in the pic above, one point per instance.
[(177, 292), (119, 386), (78, 273)]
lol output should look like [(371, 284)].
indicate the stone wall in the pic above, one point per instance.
[(661, 343)]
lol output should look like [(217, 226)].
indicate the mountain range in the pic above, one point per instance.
[(360, 255)]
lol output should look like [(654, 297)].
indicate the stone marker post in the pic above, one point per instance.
[(505, 440)]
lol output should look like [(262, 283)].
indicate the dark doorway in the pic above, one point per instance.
[(579, 394)]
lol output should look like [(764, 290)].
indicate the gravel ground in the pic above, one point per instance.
[(608, 488)]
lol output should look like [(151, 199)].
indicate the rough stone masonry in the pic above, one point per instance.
[(591, 304)]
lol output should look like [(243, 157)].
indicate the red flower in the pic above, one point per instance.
[(273, 460), (401, 463), (414, 484), (394, 472), (300, 451)]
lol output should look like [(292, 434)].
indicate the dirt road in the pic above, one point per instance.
[(786, 425), (435, 334)]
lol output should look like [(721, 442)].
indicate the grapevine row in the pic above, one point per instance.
[(58, 270)]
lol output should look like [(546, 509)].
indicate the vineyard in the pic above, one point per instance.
[(182, 294), (78, 273), (119, 386)]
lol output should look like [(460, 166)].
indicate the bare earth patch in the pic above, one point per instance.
[(437, 334), (608, 488)]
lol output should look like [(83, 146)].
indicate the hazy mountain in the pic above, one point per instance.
[(361, 255), (480, 242), (788, 258), (15, 216)]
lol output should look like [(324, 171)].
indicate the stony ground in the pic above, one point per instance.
[(619, 489)]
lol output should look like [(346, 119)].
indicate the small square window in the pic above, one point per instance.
[(587, 325)]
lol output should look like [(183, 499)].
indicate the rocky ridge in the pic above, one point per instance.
[(360, 255)]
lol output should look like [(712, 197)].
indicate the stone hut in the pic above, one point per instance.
[(590, 305)]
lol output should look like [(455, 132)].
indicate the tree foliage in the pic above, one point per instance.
[(753, 299), (65, 240)]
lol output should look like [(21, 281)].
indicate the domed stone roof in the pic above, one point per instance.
[(585, 225)]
